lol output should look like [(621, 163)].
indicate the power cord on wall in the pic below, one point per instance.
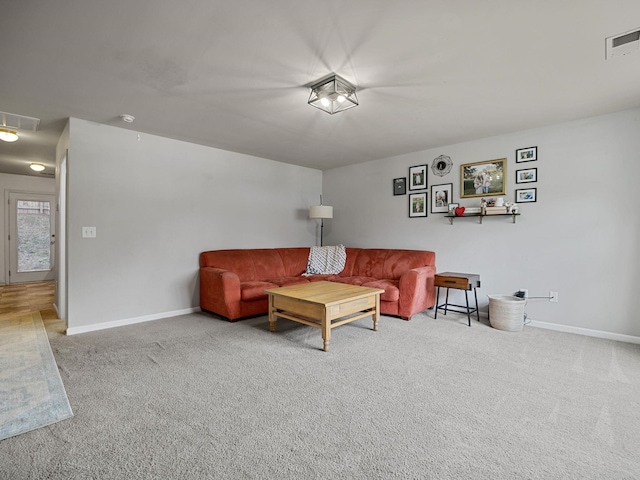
[(521, 294)]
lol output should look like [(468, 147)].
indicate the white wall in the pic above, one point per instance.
[(17, 183), (157, 203), (580, 238)]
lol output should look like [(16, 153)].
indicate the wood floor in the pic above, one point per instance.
[(21, 298)]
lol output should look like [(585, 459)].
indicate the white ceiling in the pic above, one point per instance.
[(232, 74)]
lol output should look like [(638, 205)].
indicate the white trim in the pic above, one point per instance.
[(129, 321), (620, 337)]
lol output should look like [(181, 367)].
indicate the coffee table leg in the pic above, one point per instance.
[(326, 332), (376, 314), (272, 317)]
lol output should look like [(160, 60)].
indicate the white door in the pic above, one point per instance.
[(31, 237)]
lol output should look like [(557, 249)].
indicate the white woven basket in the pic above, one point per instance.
[(506, 312)]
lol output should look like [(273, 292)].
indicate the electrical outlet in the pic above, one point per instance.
[(526, 292), (88, 232), (553, 297)]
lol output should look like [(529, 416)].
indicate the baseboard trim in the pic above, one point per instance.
[(129, 321), (585, 331)]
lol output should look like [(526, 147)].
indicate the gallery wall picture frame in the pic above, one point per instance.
[(441, 165), (529, 154), (527, 175), (418, 177), (452, 209), (400, 186), (480, 179), (441, 196), (526, 195), (418, 205)]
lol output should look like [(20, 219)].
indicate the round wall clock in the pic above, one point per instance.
[(441, 165)]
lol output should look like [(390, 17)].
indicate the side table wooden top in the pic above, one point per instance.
[(473, 279)]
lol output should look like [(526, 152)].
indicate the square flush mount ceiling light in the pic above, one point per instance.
[(333, 94)]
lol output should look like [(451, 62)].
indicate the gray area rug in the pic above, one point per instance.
[(31, 391), (195, 397)]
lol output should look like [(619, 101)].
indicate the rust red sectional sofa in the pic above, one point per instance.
[(232, 282)]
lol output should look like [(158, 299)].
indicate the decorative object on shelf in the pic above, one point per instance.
[(527, 175), (418, 204), (495, 210), (418, 177), (400, 186), (452, 208), (321, 211), (440, 197), (526, 195), (480, 178), (511, 207), (529, 154), (333, 94), (459, 211), (499, 202), (441, 165)]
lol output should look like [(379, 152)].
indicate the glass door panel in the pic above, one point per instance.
[(31, 237)]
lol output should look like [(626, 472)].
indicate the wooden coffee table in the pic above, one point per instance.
[(324, 305)]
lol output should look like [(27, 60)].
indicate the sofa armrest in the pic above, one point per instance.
[(220, 291), (416, 291)]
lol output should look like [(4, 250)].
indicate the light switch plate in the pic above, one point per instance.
[(88, 232)]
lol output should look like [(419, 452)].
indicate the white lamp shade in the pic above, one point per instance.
[(321, 211)]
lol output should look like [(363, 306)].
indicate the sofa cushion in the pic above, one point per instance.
[(390, 287), (356, 280), (294, 260), (285, 281), (254, 290), (387, 263), (250, 265), (323, 277)]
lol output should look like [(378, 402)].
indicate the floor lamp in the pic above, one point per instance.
[(321, 212)]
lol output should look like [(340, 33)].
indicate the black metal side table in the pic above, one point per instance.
[(458, 281)]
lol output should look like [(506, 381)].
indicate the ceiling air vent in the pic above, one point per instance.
[(19, 122), (623, 44)]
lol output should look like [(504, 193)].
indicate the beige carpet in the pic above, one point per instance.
[(31, 391), (195, 397)]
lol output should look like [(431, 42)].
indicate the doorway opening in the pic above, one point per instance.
[(31, 237)]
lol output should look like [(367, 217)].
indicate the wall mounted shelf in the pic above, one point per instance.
[(481, 216)]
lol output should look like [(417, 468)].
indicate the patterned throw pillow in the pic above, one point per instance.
[(326, 260)]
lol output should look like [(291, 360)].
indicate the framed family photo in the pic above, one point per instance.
[(441, 196), (480, 179), (418, 177), (527, 175), (418, 204), (528, 154), (400, 186), (526, 195)]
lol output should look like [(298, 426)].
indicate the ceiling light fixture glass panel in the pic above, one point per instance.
[(333, 94)]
